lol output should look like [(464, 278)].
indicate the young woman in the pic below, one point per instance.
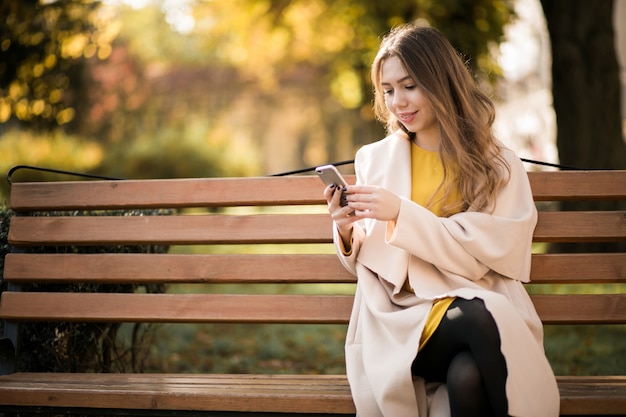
[(438, 231)]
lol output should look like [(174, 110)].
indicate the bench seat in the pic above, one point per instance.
[(310, 394)]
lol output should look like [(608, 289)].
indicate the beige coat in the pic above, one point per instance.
[(470, 254)]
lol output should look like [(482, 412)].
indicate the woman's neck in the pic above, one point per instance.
[(430, 143)]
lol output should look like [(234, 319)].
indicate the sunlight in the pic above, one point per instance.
[(178, 13)]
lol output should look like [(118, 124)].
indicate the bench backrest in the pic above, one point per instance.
[(286, 220)]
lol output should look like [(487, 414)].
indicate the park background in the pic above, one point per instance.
[(179, 89)]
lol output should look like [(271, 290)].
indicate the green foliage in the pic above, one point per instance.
[(53, 149), (266, 40), (586, 350), (256, 87), (42, 49), (248, 348), (190, 151)]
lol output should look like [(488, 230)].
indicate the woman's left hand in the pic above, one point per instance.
[(373, 202)]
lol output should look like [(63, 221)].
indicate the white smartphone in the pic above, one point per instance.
[(330, 175)]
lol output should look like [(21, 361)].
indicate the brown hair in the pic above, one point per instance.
[(468, 150)]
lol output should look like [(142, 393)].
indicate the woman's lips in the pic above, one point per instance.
[(406, 117)]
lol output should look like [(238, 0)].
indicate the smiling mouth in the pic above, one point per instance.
[(406, 116)]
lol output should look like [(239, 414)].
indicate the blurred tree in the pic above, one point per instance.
[(284, 80), (268, 38), (585, 83), (43, 45), (586, 90), (324, 49)]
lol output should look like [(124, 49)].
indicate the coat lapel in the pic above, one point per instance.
[(391, 169)]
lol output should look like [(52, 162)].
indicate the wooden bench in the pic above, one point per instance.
[(228, 221)]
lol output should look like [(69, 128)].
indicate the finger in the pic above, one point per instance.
[(342, 214), (360, 189), (337, 196), (328, 192)]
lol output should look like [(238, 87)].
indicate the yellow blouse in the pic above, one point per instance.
[(427, 174)]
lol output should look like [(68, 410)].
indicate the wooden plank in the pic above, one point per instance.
[(205, 308), (171, 230), (175, 268), (593, 268), (128, 268), (175, 308), (263, 191), (264, 228), (242, 393), (578, 185), (581, 308), (173, 193), (580, 395), (574, 226), (592, 395)]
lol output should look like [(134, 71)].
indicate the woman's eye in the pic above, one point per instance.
[(387, 92), (409, 87)]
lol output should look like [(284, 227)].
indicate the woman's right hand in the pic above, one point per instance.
[(343, 216)]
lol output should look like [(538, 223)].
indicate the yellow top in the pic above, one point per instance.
[(427, 174)]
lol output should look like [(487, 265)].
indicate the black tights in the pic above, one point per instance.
[(464, 353)]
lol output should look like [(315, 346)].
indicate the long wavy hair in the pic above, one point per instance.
[(470, 154)]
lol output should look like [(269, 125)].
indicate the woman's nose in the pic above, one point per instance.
[(399, 99)]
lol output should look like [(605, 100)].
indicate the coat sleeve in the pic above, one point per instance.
[(470, 244), (348, 260)]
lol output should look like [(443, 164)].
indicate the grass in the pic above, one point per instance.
[(247, 348), (586, 349), (318, 349)]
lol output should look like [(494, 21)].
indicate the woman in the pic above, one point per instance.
[(438, 231)]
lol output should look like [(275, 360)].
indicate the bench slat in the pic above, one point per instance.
[(264, 228), (578, 185), (592, 395), (578, 268), (175, 308), (581, 308), (207, 192), (256, 268), (174, 230), (204, 308), (580, 395), (581, 226), (244, 393), (178, 268)]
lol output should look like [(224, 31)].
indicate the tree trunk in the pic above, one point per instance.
[(585, 83), (586, 89)]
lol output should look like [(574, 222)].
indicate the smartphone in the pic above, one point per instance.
[(330, 175)]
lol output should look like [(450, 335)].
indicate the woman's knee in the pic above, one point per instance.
[(466, 389), (464, 374), (473, 317), (469, 311)]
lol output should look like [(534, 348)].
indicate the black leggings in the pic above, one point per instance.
[(464, 353)]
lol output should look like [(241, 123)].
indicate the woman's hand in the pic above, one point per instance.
[(364, 202), (373, 202), (343, 216)]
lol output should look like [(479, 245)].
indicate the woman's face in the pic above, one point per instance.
[(406, 101)]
